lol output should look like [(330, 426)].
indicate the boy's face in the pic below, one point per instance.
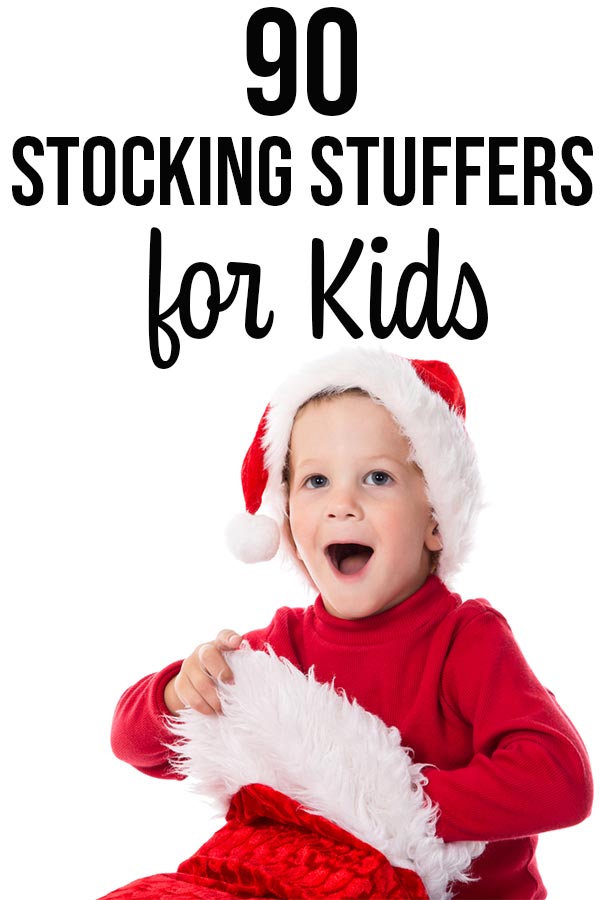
[(359, 514)]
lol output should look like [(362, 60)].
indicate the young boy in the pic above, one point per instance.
[(366, 463)]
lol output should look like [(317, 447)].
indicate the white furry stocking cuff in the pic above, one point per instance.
[(283, 729)]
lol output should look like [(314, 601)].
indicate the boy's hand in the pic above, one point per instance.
[(194, 686)]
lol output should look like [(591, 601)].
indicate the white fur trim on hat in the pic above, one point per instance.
[(441, 445), (285, 730)]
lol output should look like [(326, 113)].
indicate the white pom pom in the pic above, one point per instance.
[(252, 538)]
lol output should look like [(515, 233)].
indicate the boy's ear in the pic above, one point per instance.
[(433, 540)]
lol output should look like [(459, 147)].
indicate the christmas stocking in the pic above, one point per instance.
[(320, 798)]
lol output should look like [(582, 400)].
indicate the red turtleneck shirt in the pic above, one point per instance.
[(506, 761)]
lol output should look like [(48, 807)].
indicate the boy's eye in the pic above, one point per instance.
[(378, 478), (316, 481)]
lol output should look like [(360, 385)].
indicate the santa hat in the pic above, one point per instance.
[(426, 400)]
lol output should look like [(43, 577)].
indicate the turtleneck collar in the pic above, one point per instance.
[(428, 602)]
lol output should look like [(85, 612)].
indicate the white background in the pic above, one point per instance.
[(118, 478)]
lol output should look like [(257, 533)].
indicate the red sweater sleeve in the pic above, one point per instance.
[(530, 771), (139, 732)]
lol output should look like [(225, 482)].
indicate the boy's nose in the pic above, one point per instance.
[(343, 504)]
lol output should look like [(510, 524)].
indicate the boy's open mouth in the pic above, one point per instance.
[(349, 558)]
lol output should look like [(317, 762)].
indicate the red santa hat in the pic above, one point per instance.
[(426, 400)]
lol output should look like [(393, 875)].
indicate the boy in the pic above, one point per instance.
[(366, 462)]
